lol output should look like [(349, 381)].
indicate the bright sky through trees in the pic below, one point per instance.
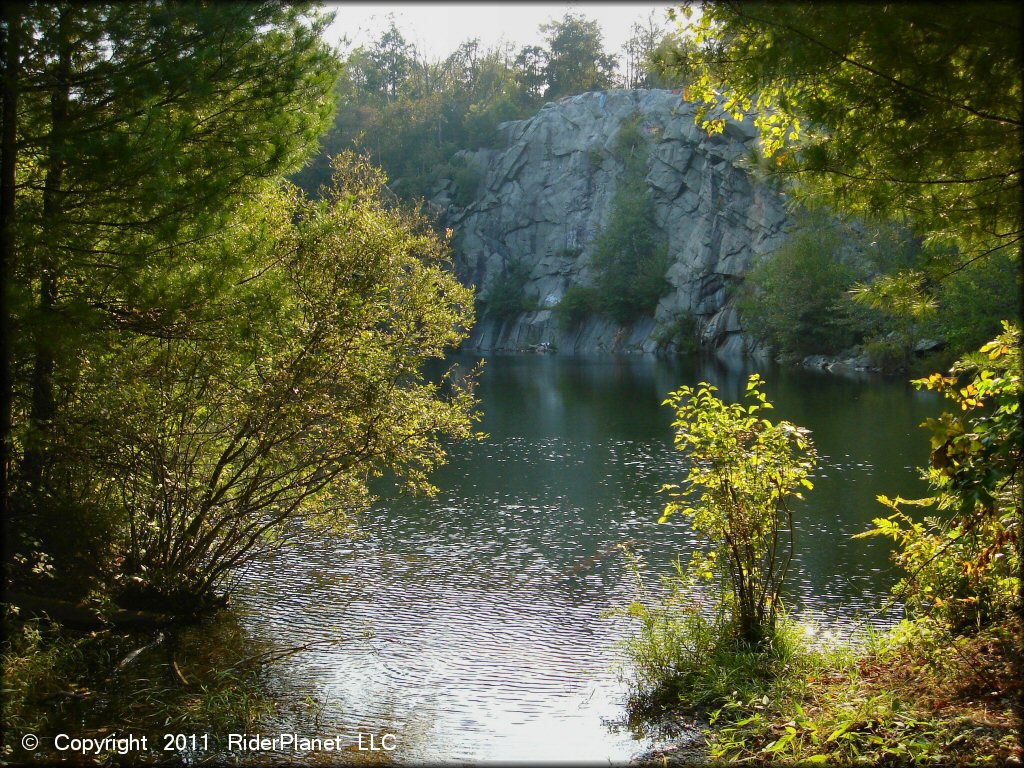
[(437, 29)]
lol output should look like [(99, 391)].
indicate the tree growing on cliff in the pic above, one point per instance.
[(576, 59), (630, 256)]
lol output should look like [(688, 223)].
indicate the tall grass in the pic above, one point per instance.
[(203, 679), (686, 656), (799, 697)]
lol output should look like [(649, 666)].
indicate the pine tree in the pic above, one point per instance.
[(132, 131)]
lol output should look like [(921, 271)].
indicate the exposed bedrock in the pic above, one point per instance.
[(544, 199)]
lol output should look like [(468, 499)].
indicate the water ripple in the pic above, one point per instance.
[(472, 621)]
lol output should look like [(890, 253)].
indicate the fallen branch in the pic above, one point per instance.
[(131, 657)]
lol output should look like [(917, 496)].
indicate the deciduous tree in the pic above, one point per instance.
[(576, 59), (639, 68), (894, 110), (744, 471), (306, 381)]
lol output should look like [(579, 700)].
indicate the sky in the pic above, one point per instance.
[(437, 29)]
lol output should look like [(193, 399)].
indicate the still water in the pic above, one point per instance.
[(471, 625)]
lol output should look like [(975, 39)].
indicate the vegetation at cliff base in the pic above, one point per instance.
[(506, 298), (834, 285), (796, 298)]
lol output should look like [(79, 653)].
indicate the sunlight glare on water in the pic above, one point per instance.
[(473, 624)]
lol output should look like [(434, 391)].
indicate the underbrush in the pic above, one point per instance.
[(203, 679), (686, 655), (915, 694), (895, 703), (33, 662)]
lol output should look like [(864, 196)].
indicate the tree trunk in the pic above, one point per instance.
[(8, 165), (43, 400)]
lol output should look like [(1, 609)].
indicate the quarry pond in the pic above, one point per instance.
[(473, 626)]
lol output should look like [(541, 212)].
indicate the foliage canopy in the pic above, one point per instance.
[(576, 61), (307, 385), (200, 355), (892, 109)]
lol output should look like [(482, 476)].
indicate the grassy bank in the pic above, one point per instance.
[(943, 686), (202, 679), (915, 694)]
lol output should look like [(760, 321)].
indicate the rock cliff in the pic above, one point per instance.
[(544, 199)]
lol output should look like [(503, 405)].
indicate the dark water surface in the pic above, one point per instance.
[(473, 621)]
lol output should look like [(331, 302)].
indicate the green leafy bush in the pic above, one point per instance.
[(796, 298), (682, 333), (273, 413), (467, 180), (886, 354), (963, 563), (743, 471), (507, 296), (577, 304)]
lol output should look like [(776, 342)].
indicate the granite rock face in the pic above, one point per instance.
[(544, 199)]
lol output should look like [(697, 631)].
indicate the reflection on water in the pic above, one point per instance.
[(473, 620)]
